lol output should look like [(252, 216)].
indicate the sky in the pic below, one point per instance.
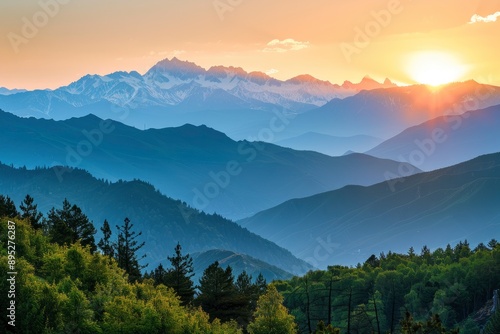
[(51, 43)]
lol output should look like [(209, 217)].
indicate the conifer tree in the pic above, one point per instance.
[(261, 284), (29, 211), (217, 293), (158, 275), (70, 224), (179, 275), (7, 207), (126, 250), (105, 243)]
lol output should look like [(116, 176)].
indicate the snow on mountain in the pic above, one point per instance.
[(174, 82)]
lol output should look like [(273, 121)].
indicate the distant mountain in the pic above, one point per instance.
[(367, 83), (383, 113), (330, 145), (198, 165), (239, 263), (347, 225), (163, 220), (6, 91), (446, 140), (184, 87)]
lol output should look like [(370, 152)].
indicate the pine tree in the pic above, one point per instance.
[(217, 292), (158, 275), (7, 207), (69, 224), (248, 295), (126, 251), (271, 317), (105, 243), (29, 211), (179, 276), (261, 284)]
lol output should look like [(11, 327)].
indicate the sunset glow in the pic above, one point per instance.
[(435, 68), (48, 46)]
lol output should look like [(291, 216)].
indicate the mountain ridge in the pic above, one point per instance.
[(163, 220), (196, 164), (349, 224)]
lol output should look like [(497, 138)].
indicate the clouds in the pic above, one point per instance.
[(285, 45), (271, 71), (490, 18)]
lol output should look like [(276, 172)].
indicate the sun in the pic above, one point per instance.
[(435, 68)]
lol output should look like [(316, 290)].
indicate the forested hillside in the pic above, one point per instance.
[(448, 288), (163, 220), (68, 285)]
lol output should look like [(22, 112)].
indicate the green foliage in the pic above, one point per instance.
[(493, 325), (69, 224), (68, 289), (7, 207), (126, 250), (432, 326), (451, 283), (218, 295), (271, 317), (105, 244), (30, 212), (321, 328), (179, 275)]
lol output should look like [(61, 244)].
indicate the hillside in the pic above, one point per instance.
[(345, 226), (384, 113), (445, 140), (196, 164), (163, 220)]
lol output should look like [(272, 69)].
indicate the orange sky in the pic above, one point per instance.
[(287, 38)]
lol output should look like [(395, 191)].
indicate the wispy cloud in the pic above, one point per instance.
[(271, 71), (285, 45), (478, 18)]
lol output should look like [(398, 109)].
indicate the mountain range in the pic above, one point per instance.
[(347, 225), (162, 220), (188, 86), (196, 164), (252, 105), (383, 113), (445, 140)]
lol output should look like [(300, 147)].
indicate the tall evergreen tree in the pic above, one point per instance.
[(105, 243), (70, 224), (30, 212), (492, 243), (217, 293), (179, 275), (7, 207), (126, 251), (261, 284), (158, 275), (248, 295)]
